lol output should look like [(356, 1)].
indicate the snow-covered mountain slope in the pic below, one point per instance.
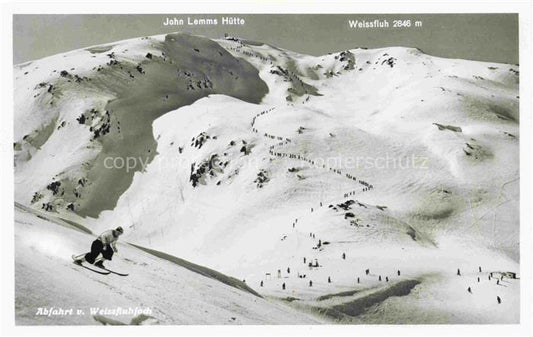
[(396, 159), (167, 292), (97, 103)]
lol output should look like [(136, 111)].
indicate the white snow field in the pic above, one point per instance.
[(247, 159)]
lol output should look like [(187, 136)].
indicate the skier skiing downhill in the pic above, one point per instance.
[(104, 244)]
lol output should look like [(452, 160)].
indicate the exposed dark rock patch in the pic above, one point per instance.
[(448, 127), (99, 49)]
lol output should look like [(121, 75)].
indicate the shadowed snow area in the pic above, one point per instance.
[(350, 186)]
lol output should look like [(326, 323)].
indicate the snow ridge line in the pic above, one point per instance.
[(204, 271)]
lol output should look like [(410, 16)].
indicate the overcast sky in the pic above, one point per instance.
[(484, 37)]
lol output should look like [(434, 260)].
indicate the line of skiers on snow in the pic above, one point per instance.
[(261, 114), (367, 272), (315, 264), (285, 141), (247, 53)]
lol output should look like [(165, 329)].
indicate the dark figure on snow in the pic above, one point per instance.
[(305, 259), (367, 271), (458, 272), (480, 269), (288, 270), (344, 256), (310, 283), (358, 280), (499, 299), (261, 283), (105, 244), (398, 272), (469, 290), (380, 277), (478, 279), (387, 278), (283, 286), (329, 279)]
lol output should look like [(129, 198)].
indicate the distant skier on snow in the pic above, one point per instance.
[(104, 244)]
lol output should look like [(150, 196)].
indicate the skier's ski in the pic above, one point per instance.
[(115, 272), (103, 272), (79, 263), (109, 270)]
